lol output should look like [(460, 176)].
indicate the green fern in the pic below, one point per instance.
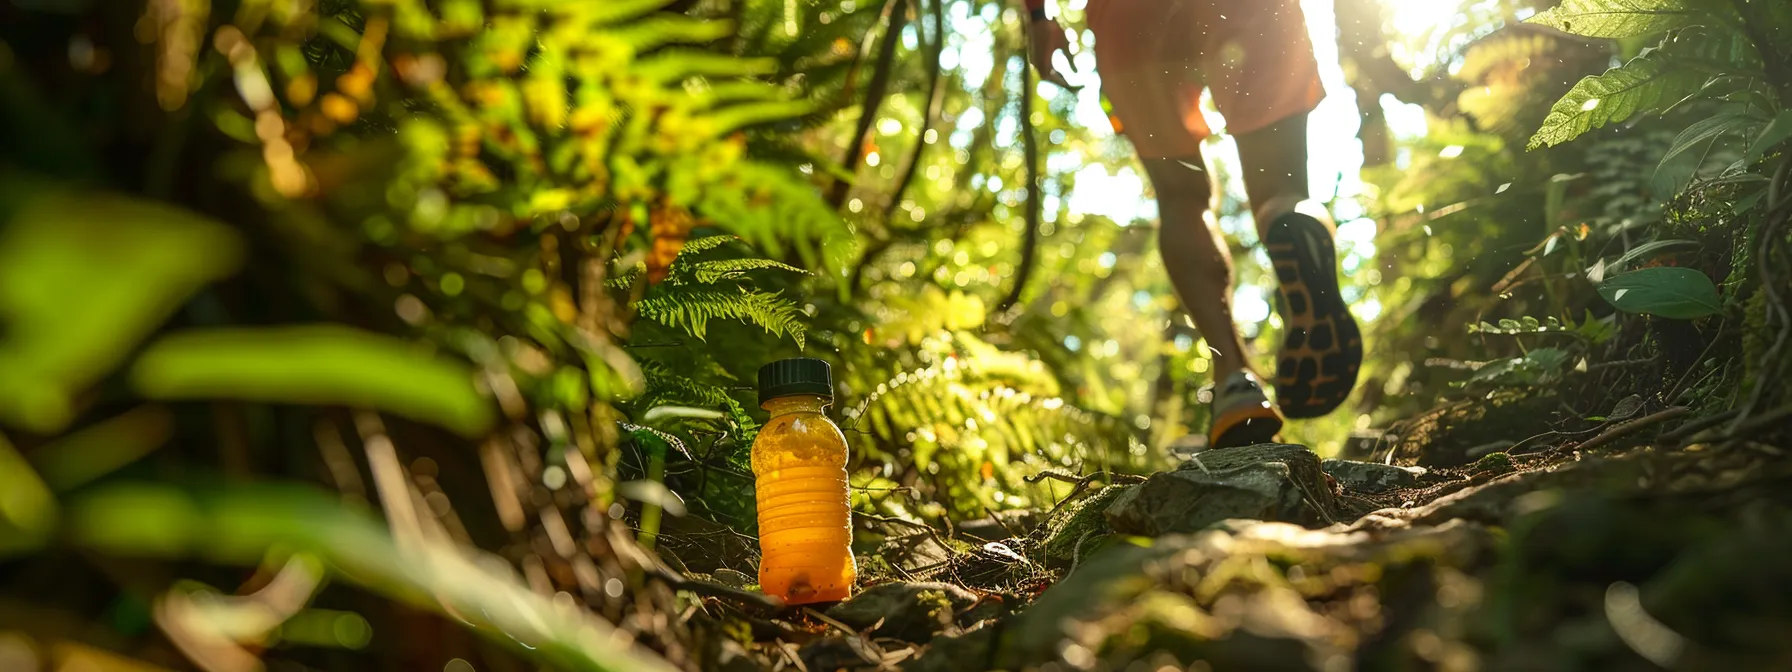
[(1647, 82), (700, 245), (711, 272), (1617, 19), (691, 309)]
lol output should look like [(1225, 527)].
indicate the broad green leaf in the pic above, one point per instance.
[(1645, 83), (1746, 203), (84, 276), (242, 524), (1687, 155), (1666, 291), (27, 510), (314, 364), (659, 413), (1616, 18), (1776, 132)]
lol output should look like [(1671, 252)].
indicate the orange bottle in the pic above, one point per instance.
[(799, 461)]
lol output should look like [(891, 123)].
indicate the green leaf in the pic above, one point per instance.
[(107, 446), (314, 364), (658, 413), (27, 509), (1615, 19), (1776, 132), (243, 524), (1708, 129), (692, 309), (1666, 291), (84, 276), (1595, 330), (1744, 204), (1645, 83), (711, 272)]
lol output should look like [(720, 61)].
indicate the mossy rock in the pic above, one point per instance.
[(1082, 523), (1264, 482)]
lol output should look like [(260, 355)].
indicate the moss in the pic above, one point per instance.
[(935, 606), (1083, 522), (1498, 463)]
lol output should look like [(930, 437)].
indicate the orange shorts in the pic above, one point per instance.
[(1155, 56)]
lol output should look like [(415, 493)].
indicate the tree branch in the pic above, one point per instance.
[(875, 92), (1029, 246), (936, 102)]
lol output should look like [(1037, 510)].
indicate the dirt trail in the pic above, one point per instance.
[(1615, 557)]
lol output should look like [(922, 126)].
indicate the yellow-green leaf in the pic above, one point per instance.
[(314, 364), (84, 276)]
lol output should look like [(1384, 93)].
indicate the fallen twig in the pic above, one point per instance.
[(1695, 425), (716, 590), (1080, 483), (1084, 480), (1633, 426), (931, 533)]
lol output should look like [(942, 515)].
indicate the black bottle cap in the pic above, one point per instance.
[(798, 375)]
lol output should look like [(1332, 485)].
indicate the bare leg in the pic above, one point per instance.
[(1196, 256), (1275, 170)]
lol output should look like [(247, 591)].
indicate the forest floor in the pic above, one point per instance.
[(1645, 542)]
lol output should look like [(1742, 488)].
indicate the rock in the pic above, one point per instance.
[(838, 652), (1265, 482), (1372, 477), (912, 612), (969, 651), (1080, 527)]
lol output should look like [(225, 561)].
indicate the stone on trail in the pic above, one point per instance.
[(1275, 482), (1372, 477), (1080, 527), (912, 612)]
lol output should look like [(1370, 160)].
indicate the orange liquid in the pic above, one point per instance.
[(805, 520)]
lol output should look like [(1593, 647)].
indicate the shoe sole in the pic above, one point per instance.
[(1322, 348)]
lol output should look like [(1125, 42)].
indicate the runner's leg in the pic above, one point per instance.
[(1274, 162), (1196, 256)]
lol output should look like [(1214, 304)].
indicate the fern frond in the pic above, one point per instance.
[(691, 310), (711, 272), (705, 244), (766, 206), (664, 386)]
